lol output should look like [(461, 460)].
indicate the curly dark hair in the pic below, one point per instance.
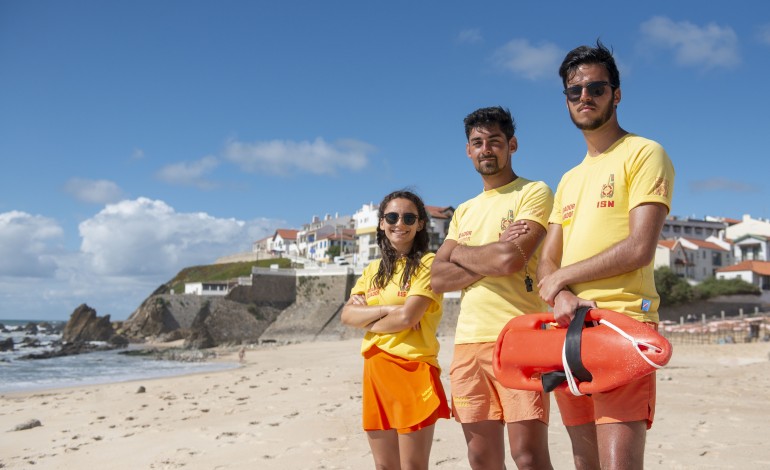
[(485, 117), (389, 256), (590, 55)]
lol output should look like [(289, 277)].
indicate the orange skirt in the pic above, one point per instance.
[(401, 394)]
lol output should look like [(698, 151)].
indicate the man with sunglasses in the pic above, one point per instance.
[(607, 216), (489, 252)]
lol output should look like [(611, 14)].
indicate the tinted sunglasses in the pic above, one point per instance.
[(392, 218), (595, 89)]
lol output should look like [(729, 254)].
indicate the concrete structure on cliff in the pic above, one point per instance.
[(279, 306)]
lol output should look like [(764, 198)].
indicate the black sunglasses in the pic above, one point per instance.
[(392, 218), (595, 89)]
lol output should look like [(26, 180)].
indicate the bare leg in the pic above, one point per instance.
[(486, 446), (384, 445), (529, 445), (415, 448), (621, 445), (585, 449)]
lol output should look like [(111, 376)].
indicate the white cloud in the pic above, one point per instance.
[(147, 237), (722, 184), (529, 61), (763, 34), (93, 191), (280, 157), (127, 250), (709, 46), (28, 245), (470, 36), (190, 173)]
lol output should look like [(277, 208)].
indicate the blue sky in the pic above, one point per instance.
[(137, 138)]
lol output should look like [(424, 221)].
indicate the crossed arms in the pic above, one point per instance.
[(384, 318), (458, 266)]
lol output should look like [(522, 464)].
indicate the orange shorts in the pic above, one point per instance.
[(478, 396), (401, 394), (631, 402)]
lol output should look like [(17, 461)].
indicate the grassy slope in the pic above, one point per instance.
[(218, 272)]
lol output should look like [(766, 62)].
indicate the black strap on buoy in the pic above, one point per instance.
[(551, 380)]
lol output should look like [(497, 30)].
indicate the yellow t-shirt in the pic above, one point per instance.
[(489, 303), (592, 205), (418, 345)]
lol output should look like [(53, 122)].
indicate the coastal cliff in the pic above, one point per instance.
[(276, 306)]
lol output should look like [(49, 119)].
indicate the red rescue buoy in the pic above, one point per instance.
[(615, 352)]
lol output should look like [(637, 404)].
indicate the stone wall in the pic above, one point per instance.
[(713, 308), (275, 290), (315, 313)]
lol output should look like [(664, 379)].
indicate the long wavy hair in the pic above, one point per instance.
[(389, 256)]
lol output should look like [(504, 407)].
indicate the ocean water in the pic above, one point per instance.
[(18, 375)]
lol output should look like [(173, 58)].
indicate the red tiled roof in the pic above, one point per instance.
[(287, 233), (759, 267), (667, 243), (705, 244)]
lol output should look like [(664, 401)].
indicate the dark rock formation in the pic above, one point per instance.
[(6, 344), (31, 328), (155, 317), (30, 342), (118, 341), (70, 349), (84, 325), (200, 338)]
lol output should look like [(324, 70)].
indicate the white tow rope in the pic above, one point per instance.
[(572, 384)]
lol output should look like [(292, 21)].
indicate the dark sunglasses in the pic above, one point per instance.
[(595, 89), (392, 218)]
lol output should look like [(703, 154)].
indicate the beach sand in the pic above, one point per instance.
[(298, 407)]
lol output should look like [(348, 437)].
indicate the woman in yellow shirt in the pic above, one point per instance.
[(402, 392)]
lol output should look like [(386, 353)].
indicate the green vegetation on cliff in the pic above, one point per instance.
[(674, 290), (217, 272)]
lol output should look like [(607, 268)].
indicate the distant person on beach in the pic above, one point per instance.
[(607, 216), (402, 392), (490, 253)]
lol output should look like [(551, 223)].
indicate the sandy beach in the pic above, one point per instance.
[(298, 407)]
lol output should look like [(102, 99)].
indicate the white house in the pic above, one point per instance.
[(692, 258), (751, 248), (706, 256), (440, 218), (366, 234), (344, 238), (263, 245), (755, 272), (750, 239), (307, 238), (284, 242), (207, 288), (671, 254)]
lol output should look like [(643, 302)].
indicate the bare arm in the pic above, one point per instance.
[(565, 302), (635, 251), (358, 314), (404, 316), (501, 258), (446, 276)]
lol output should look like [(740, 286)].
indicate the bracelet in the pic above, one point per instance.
[(527, 279)]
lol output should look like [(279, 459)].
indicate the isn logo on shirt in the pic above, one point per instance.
[(646, 305)]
